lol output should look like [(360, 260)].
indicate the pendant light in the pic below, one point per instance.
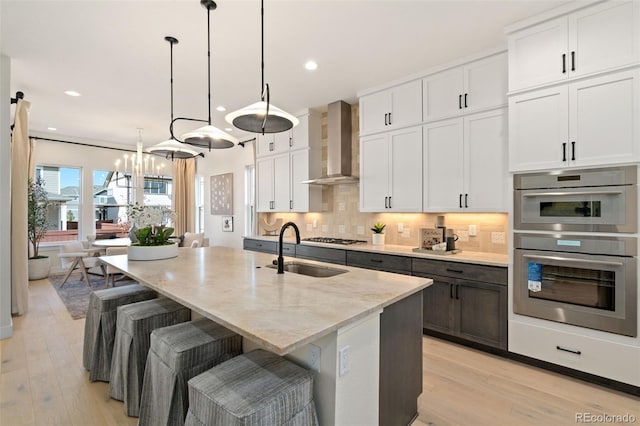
[(262, 117), (209, 136), (171, 148)]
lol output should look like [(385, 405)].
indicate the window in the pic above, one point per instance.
[(200, 204), (63, 185), (249, 197)]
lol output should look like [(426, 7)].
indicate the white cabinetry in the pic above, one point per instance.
[(391, 171), (283, 161), (474, 87), (586, 123), (599, 38), (465, 164), (393, 108)]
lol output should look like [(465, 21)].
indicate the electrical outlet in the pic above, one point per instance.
[(473, 230), (497, 237), (400, 228), (315, 223), (314, 357), (344, 363)]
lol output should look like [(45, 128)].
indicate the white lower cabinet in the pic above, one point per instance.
[(464, 165), (591, 122), (613, 360), (391, 171)]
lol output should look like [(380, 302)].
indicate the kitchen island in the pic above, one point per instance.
[(343, 326)]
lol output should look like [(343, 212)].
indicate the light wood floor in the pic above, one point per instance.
[(42, 381)]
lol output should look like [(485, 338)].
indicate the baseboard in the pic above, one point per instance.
[(6, 331)]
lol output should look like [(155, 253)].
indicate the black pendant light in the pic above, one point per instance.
[(262, 117), (172, 149), (208, 136)]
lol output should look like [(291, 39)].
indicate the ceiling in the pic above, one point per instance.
[(115, 55)]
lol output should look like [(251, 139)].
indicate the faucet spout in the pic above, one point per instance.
[(280, 258)]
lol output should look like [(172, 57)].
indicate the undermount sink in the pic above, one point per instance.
[(309, 269)]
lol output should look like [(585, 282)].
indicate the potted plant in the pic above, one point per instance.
[(150, 236), (377, 239), (37, 224)]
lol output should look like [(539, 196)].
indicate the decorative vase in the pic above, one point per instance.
[(152, 252), (377, 239), (39, 268)]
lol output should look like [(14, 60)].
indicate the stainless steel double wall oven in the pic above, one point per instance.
[(575, 252)]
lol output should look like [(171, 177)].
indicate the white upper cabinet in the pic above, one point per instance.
[(590, 122), (301, 136), (476, 86), (465, 163), (393, 108), (273, 143), (599, 38), (272, 174), (391, 171)]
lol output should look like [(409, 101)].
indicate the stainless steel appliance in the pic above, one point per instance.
[(595, 200), (330, 240), (588, 281)]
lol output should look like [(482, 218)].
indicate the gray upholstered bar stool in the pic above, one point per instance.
[(100, 326), (133, 333), (178, 353), (254, 389)]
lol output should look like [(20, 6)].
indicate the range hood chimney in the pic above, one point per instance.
[(338, 146)]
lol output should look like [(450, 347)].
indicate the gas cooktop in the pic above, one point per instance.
[(328, 240)]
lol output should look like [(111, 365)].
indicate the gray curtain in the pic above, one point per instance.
[(21, 169)]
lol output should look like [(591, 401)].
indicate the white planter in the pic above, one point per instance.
[(152, 252), (377, 239), (39, 268)]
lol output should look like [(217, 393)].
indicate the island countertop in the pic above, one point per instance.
[(281, 312)]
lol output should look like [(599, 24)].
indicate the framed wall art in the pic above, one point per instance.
[(227, 223), (222, 194)]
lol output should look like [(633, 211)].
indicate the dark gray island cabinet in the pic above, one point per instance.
[(465, 301)]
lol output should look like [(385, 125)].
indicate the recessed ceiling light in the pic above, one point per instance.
[(311, 65), (71, 93), (52, 128), (221, 108), (228, 129)]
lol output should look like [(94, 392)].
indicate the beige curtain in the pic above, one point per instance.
[(21, 170), (184, 195)]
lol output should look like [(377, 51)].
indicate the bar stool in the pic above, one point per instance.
[(177, 354), (100, 326), (254, 389), (133, 333)]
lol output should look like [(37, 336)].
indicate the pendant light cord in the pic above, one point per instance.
[(209, 61), (265, 87)]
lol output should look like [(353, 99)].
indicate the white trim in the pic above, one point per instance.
[(556, 12)]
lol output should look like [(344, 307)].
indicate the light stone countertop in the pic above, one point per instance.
[(280, 312), (476, 257)]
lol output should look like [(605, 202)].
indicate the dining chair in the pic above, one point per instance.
[(79, 255)]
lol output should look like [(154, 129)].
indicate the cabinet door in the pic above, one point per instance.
[(603, 119), (373, 112), (443, 94), (405, 185), (481, 312), (282, 141), (485, 158), (443, 166), (406, 105), (264, 183), (264, 144), (603, 37), (539, 129), (485, 83), (374, 173), (538, 55), (437, 305), (281, 186)]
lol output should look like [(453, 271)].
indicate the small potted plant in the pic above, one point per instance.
[(37, 224), (151, 237), (377, 239)]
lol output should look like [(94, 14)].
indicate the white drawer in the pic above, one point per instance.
[(612, 360)]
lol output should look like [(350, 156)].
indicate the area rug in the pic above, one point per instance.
[(75, 293)]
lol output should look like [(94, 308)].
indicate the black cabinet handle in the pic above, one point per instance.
[(564, 63), (460, 200), (271, 147), (290, 204), (573, 61), (573, 151), (290, 142), (259, 245), (457, 271), (389, 201), (457, 291), (465, 100), (386, 206), (564, 151), (375, 260), (466, 200), (459, 101), (385, 120), (560, 348), (389, 119), (450, 291)]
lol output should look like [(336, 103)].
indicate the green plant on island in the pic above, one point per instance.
[(150, 227), (378, 228)]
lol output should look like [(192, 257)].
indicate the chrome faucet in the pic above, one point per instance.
[(280, 258)]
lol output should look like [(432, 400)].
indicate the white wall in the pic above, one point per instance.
[(232, 160), (6, 327)]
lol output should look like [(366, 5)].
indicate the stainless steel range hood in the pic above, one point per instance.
[(338, 146)]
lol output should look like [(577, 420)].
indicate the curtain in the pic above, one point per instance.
[(21, 169), (184, 195)]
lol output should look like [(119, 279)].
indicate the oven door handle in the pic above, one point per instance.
[(568, 259), (564, 194)]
